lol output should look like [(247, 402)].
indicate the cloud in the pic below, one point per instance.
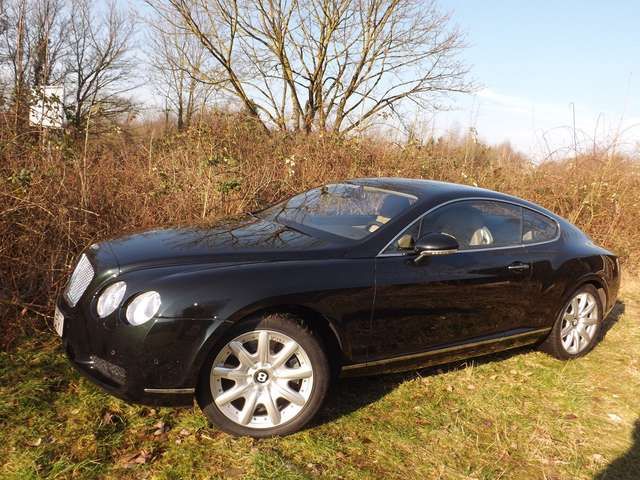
[(539, 128)]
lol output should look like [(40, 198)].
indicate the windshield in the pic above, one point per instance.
[(349, 211)]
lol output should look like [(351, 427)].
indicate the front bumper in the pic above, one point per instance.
[(152, 364)]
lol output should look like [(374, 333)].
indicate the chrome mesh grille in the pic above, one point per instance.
[(80, 280), (114, 372)]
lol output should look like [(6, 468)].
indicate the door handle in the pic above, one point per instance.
[(519, 267)]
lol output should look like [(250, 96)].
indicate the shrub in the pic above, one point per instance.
[(55, 201)]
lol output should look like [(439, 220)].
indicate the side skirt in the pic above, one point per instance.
[(452, 353)]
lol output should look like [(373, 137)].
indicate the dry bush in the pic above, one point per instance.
[(53, 203)]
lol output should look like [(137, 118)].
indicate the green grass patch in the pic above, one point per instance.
[(516, 415)]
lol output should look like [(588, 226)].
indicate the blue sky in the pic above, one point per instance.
[(537, 60), (534, 59)]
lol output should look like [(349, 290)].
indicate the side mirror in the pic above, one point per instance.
[(436, 244)]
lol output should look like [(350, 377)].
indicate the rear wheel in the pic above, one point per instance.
[(577, 329), (267, 377)]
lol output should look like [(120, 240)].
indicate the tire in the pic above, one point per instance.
[(281, 387), (573, 337)]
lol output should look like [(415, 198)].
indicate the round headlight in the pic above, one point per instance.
[(143, 308), (111, 298)]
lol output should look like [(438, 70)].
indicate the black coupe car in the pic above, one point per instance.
[(254, 316)]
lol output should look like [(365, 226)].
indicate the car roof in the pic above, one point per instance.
[(418, 187), (433, 192)]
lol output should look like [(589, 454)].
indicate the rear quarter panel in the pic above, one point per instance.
[(560, 267)]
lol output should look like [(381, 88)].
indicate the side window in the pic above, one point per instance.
[(406, 241), (477, 223), (537, 228)]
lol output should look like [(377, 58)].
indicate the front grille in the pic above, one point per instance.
[(80, 280)]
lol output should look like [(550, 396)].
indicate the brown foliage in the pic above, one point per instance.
[(54, 204)]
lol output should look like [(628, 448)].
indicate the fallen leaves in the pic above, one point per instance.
[(35, 443), (132, 459), (182, 433), (107, 418), (160, 428)]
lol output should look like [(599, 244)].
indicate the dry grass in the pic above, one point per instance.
[(57, 200)]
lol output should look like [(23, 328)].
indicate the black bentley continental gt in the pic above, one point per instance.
[(254, 316)]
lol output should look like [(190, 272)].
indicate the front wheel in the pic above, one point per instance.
[(577, 329), (267, 377)]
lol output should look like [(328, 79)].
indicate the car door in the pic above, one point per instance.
[(482, 289)]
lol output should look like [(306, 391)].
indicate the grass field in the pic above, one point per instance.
[(521, 415)]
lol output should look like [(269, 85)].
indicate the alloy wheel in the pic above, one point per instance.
[(261, 379), (579, 323)]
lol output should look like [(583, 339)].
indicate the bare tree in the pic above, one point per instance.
[(326, 64), (99, 63), (16, 55), (177, 62), (4, 26), (32, 37), (48, 28)]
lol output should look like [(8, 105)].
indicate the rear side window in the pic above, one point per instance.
[(537, 228), (477, 224)]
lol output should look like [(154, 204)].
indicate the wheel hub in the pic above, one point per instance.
[(261, 376)]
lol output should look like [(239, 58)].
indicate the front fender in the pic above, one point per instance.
[(207, 301)]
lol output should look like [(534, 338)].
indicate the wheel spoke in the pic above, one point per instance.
[(285, 354), (249, 407), (241, 353), (294, 373), (584, 333), (574, 345), (270, 405), (582, 303), (288, 394), (566, 330), (590, 307), (230, 373), (589, 321), (232, 394), (575, 306), (263, 347), (576, 341)]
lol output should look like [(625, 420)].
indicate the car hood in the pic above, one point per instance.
[(239, 241)]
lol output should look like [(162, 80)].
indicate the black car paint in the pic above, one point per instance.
[(372, 307)]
